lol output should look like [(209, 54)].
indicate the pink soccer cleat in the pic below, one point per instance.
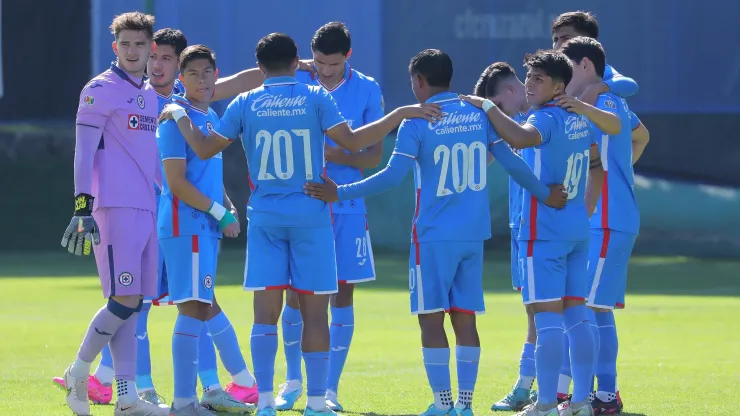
[(97, 392), (243, 394)]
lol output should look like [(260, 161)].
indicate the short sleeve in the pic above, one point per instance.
[(329, 114), (408, 140), (170, 141), (232, 123), (634, 121), (544, 122), (607, 103), (609, 73), (95, 106), (491, 133), (375, 109)]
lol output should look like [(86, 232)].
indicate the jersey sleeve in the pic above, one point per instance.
[(329, 114), (544, 122), (232, 123), (492, 135), (408, 140), (96, 104), (618, 83), (606, 103), (375, 109), (391, 176), (634, 121), (170, 141)]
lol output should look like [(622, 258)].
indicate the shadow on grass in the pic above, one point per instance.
[(648, 275)]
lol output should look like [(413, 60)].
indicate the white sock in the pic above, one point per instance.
[(180, 403), (316, 402), (606, 396), (214, 387), (243, 378), (464, 399), (265, 400), (126, 392), (443, 399), (144, 390), (564, 384), (524, 382), (80, 369), (104, 374)]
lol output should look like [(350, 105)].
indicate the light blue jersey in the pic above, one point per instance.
[(515, 191), (361, 102), (176, 218), (617, 206), (281, 125), (562, 157), (177, 89)]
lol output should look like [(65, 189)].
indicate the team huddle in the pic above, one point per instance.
[(150, 202)]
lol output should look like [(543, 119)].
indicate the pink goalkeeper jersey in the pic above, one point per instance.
[(116, 126)]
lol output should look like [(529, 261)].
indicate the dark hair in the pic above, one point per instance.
[(555, 64), (276, 52), (583, 47), (332, 38), (136, 21), (172, 37), (584, 23), (191, 53), (490, 80), (434, 65)]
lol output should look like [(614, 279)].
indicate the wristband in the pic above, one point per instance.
[(178, 113), (487, 105), (217, 210), (83, 205)]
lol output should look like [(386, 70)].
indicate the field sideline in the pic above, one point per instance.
[(678, 352)]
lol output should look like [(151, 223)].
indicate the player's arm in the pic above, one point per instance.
[(595, 179), (246, 80), (517, 136), (602, 115), (227, 202), (617, 83), (204, 146), (640, 138)]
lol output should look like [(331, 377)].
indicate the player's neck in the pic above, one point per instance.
[(331, 82), (201, 105), (278, 74), (135, 76), (166, 90), (435, 91), (525, 107)]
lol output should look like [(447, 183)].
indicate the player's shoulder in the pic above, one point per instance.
[(363, 79), (167, 129), (305, 77), (611, 101), (100, 84)]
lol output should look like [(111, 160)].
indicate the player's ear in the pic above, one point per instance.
[(154, 46), (259, 65), (216, 72), (349, 53), (180, 77), (115, 47)]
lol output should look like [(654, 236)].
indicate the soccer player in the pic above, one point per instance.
[(116, 123), (451, 222), (559, 145), (361, 102), (616, 222), (291, 240)]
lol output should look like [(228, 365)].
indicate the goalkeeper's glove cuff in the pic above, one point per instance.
[(83, 205)]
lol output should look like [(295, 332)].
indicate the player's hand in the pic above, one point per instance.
[(572, 104), (334, 154), (558, 196), (472, 99), (233, 229), (307, 65), (429, 111), (167, 111), (326, 192), (82, 230), (591, 93)]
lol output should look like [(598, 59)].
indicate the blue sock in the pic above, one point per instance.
[(106, 359), (597, 342), (292, 331), (581, 350), (143, 357), (467, 372), (185, 355), (565, 363), (527, 372), (224, 337), (340, 337), (317, 368), (548, 355), (207, 365), (264, 345), (606, 367), (437, 365)]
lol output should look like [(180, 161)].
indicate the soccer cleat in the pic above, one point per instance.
[(332, 402), (267, 411), (601, 407), (243, 394), (152, 397), (140, 408), (515, 401), (323, 412), (433, 411), (193, 410), (97, 392), (77, 399), (465, 411), (532, 410), (221, 401), (567, 408), (289, 393)]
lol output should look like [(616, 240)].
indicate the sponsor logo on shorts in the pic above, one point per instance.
[(125, 279), (208, 282)]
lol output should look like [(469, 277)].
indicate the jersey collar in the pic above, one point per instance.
[(347, 76), (271, 82), (184, 102), (121, 73), (443, 97)]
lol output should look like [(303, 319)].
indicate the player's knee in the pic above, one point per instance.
[(268, 304), (291, 299), (466, 332), (131, 301), (556, 307), (194, 309), (215, 309), (120, 310), (344, 297), (432, 327), (570, 303)]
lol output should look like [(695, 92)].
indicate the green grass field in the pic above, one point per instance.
[(678, 355)]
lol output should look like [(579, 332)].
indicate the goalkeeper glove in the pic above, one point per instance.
[(82, 230)]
